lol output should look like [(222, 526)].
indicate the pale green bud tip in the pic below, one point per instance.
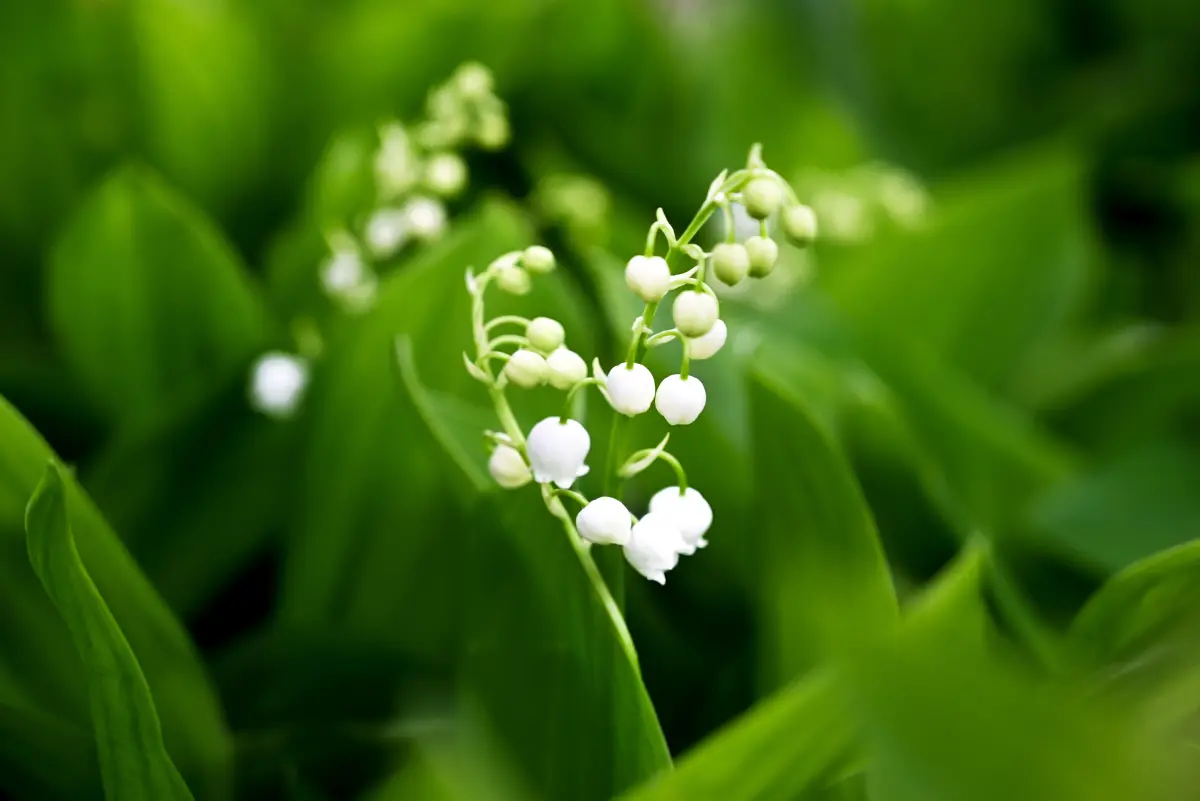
[(537, 259), (513, 279), (695, 313), (649, 277), (763, 253), (730, 262), (525, 369), (800, 224), (473, 80), (680, 400), (762, 197), (508, 467), (545, 334)]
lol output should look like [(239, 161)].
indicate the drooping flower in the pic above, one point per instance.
[(545, 334), (630, 388), (690, 513), (557, 450), (386, 231), (680, 400), (566, 368), (525, 368), (508, 467), (695, 313), (763, 252), (538, 259), (425, 217), (800, 224), (654, 546), (605, 521), (730, 262), (649, 277), (705, 347)]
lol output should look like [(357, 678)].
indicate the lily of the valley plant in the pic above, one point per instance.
[(554, 452)]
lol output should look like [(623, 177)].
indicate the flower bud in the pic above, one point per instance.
[(705, 347), (730, 262), (680, 400), (695, 313), (426, 217), (604, 521), (566, 368), (445, 174), (630, 389), (649, 277), (800, 224), (277, 384), (525, 369), (763, 252), (537, 259), (690, 513), (386, 231), (512, 279), (654, 546), (492, 131), (762, 197), (544, 334), (508, 467), (473, 80), (557, 450), (343, 272)]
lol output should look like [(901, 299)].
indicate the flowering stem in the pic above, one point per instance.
[(572, 494), (571, 395)]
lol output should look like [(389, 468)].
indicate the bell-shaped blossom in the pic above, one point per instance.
[(565, 368), (705, 347), (649, 277), (508, 467), (605, 521), (630, 388), (680, 400), (654, 546), (544, 334), (557, 450), (525, 368), (688, 510), (695, 313), (426, 217)]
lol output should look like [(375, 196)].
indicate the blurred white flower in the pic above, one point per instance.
[(604, 521), (445, 174), (557, 451), (277, 384), (386, 231), (690, 513), (425, 217), (396, 168), (654, 546)]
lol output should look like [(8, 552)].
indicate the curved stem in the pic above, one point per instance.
[(508, 339), (507, 319), (571, 394)]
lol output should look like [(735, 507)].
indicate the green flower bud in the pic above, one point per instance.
[(526, 369), (545, 334), (537, 259), (695, 313), (730, 262), (513, 279), (762, 197), (800, 224), (763, 254)]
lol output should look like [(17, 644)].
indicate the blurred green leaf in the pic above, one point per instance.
[(787, 748), (1140, 503), (39, 650), (825, 579), (150, 305), (44, 757), (995, 272), (134, 763)]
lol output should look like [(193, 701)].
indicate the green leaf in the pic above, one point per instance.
[(39, 657), (44, 757), (150, 305), (134, 763), (825, 579), (787, 748)]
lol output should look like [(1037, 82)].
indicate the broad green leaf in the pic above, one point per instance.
[(825, 579), (39, 655), (134, 763), (1138, 504), (546, 650), (995, 271), (787, 748), (150, 304), (44, 757), (197, 493)]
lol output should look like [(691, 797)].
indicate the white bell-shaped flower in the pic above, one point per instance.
[(680, 400), (695, 313), (705, 347), (630, 389), (557, 450), (545, 334), (277, 384), (605, 521), (426, 218), (654, 546), (566, 368), (386, 231), (525, 369), (649, 277), (343, 272), (508, 467), (690, 513)]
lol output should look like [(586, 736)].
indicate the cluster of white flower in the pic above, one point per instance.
[(554, 454), (415, 171)]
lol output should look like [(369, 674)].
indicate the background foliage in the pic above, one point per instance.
[(954, 467)]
